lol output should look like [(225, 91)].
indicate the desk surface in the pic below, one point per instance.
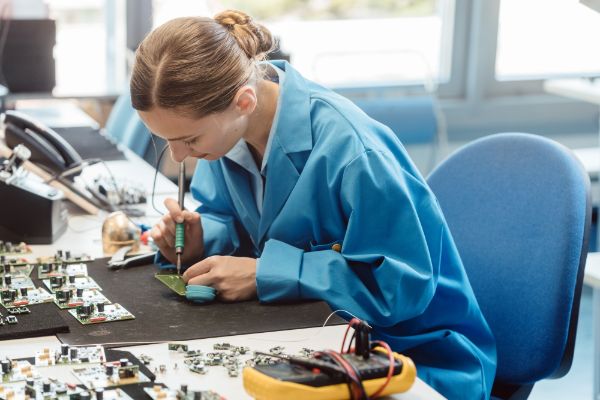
[(217, 379), (84, 236)]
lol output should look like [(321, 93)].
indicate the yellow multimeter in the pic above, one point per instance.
[(287, 380)]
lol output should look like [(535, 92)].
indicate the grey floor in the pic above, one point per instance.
[(577, 384)]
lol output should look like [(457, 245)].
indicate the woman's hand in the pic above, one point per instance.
[(234, 278), (163, 233)]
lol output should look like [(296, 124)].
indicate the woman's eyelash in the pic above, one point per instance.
[(190, 141)]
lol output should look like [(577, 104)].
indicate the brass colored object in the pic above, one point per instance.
[(118, 231)]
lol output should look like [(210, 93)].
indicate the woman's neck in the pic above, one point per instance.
[(260, 123)]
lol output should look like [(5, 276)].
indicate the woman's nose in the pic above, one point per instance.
[(179, 151)]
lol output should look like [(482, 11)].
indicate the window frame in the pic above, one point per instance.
[(474, 101)]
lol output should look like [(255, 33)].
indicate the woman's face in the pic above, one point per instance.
[(209, 137)]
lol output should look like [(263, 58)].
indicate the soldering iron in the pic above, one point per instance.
[(180, 227)]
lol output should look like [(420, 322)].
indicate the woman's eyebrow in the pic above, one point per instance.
[(183, 137)]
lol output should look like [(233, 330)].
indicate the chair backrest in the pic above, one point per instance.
[(125, 127), (412, 118), (119, 116), (519, 209)]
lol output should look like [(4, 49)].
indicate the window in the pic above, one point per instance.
[(90, 46), (349, 43), (540, 39)]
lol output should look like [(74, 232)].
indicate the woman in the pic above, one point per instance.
[(305, 197)]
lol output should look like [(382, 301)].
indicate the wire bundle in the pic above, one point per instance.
[(355, 386)]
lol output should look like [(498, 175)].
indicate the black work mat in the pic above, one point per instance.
[(44, 320), (90, 143), (161, 315)]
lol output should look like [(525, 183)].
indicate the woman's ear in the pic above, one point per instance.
[(245, 100)]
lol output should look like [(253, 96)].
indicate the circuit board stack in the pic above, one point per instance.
[(66, 283), (83, 372)]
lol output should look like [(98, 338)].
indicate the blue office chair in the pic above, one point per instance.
[(125, 127), (519, 209)]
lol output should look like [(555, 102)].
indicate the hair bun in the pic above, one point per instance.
[(253, 38), (230, 18)]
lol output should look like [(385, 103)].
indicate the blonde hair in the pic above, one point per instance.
[(196, 64)]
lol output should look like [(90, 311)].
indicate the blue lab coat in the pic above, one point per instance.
[(335, 176)]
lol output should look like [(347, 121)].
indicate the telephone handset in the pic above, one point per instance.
[(47, 147)]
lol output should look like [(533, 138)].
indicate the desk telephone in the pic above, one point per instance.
[(47, 147), (55, 155)]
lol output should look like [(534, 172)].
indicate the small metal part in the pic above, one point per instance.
[(178, 347)]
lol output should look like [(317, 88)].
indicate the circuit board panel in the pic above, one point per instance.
[(91, 314)]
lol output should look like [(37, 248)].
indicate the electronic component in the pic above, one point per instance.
[(158, 392), (70, 355), (232, 349), (65, 257), (178, 347), (14, 248), (24, 296), (98, 313), (16, 370), (196, 365), (12, 262), (71, 282), (11, 320), (18, 310), (110, 374), (8, 281), (117, 193), (17, 268), (42, 389), (71, 298), (47, 270), (145, 359)]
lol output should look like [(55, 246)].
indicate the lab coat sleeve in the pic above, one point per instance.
[(388, 267)]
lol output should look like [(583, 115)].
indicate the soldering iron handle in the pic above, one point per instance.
[(181, 184)]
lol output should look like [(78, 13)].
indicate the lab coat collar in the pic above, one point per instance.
[(293, 134), (293, 126)]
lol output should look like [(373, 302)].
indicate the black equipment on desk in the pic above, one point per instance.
[(31, 210)]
